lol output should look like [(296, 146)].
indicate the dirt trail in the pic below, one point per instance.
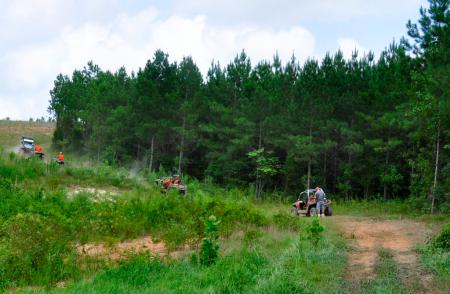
[(123, 249), (399, 236), (14, 149)]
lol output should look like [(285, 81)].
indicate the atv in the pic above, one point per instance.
[(306, 204), (27, 145), (39, 155), (165, 185), (27, 148)]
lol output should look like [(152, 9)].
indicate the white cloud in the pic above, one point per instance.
[(348, 46), (129, 40), (286, 12), (39, 39)]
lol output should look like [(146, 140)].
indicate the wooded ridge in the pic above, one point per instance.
[(360, 127)]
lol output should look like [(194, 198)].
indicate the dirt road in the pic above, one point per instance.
[(400, 237)]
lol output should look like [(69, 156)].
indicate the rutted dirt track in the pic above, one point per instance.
[(401, 237), (123, 249)]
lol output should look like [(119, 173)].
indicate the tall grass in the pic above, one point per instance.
[(263, 248), (436, 257), (287, 263), (12, 131), (36, 209), (379, 208), (388, 279)]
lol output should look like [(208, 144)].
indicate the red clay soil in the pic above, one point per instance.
[(398, 236), (123, 249)]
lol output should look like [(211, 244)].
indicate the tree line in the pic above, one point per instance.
[(359, 127)]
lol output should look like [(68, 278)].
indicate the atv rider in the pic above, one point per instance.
[(320, 198), (38, 151), (167, 183), (60, 158)]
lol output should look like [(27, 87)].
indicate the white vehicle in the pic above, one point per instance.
[(27, 145)]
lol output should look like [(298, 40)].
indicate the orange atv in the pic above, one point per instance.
[(168, 183)]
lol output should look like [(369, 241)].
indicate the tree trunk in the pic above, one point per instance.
[(308, 184), (386, 162), (411, 175), (260, 135), (150, 164), (436, 166), (325, 170), (138, 153), (181, 146), (258, 185), (335, 164)]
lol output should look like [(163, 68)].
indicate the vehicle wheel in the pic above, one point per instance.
[(313, 211), (294, 211), (328, 211)]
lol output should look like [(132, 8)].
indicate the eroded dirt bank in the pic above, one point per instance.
[(401, 237)]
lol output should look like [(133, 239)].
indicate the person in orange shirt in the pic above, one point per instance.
[(38, 149), (167, 183), (61, 158)]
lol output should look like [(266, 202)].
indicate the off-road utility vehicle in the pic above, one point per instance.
[(306, 204), (169, 183)]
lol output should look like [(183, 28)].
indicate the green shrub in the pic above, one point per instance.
[(34, 250), (443, 239), (286, 221), (209, 250), (314, 231), (252, 235)]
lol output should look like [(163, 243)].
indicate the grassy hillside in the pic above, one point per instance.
[(12, 131), (43, 224)]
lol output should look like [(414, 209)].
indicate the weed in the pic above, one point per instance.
[(252, 235), (436, 257), (314, 231), (209, 250), (34, 249), (442, 241), (285, 221)]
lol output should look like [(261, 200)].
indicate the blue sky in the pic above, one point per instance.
[(39, 39)]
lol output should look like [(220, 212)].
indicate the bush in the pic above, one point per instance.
[(252, 235), (286, 221), (34, 250), (443, 239), (209, 250), (314, 231)]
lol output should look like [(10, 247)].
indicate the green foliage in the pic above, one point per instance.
[(34, 249), (392, 177), (286, 221), (358, 127), (209, 250), (377, 207), (275, 264), (436, 257), (314, 231), (50, 216), (265, 164), (251, 236), (442, 241)]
